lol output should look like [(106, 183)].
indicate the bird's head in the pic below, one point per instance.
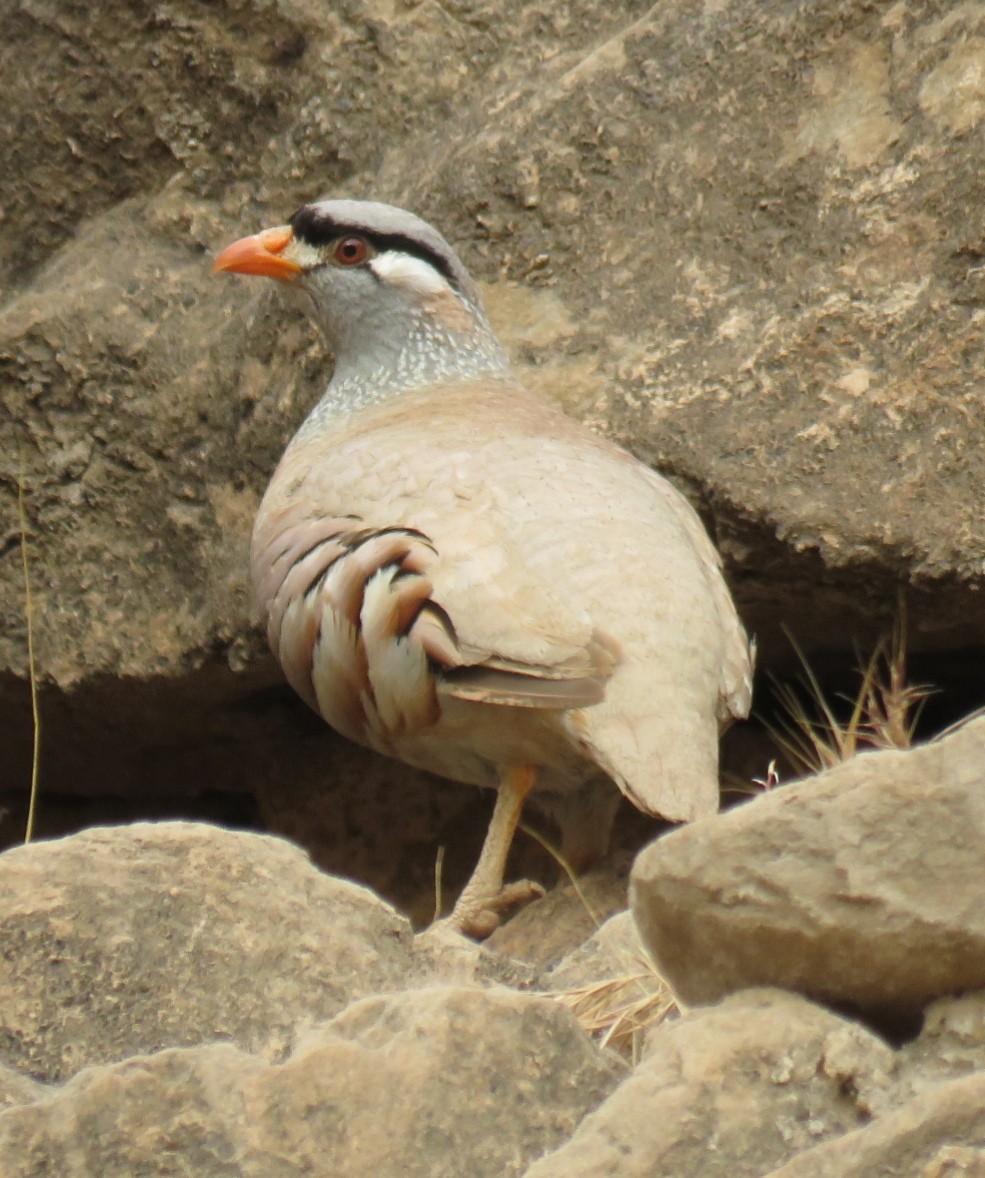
[(385, 286)]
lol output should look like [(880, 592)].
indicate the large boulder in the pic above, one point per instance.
[(434, 1083), (210, 1002), (940, 1134), (730, 1092), (861, 887), (125, 941)]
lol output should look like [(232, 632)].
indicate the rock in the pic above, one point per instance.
[(447, 956), (434, 1083), (612, 951), (16, 1088), (940, 1134), (950, 1045), (127, 940), (953, 1161), (730, 1091), (861, 888)]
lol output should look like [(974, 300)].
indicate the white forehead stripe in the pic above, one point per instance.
[(414, 275)]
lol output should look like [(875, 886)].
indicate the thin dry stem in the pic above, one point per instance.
[(439, 867), (565, 866), (31, 668)]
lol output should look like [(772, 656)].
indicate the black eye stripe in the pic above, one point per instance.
[(316, 229)]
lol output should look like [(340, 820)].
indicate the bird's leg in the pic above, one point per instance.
[(484, 896)]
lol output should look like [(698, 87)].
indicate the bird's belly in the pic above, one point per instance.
[(474, 742)]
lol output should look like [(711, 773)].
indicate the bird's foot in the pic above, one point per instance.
[(479, 916)]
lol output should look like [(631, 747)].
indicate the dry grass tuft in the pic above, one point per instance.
[(614, 1011), (883, 713), (618, 1011)]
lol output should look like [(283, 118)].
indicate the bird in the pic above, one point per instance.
[(456, 574)]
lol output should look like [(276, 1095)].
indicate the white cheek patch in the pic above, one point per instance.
[(412, 274)]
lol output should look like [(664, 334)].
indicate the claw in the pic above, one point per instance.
[(480, 918)]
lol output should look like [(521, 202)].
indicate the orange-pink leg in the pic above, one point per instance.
[(485, 896)]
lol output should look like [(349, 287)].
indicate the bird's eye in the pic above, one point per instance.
[(350, 251)]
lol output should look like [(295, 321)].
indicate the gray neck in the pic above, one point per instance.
[(428, 354)]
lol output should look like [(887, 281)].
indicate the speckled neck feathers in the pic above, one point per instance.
[(428, 356), (410, 317)]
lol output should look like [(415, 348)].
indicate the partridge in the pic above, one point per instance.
[(456, 574)]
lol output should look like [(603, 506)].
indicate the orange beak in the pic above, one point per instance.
[(260, 254)]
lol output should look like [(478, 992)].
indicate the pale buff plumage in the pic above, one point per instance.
[(457, 575)]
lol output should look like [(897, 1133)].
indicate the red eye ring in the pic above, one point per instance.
[(351, 251)]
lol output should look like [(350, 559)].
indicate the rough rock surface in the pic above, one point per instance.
[(861, 887), (432, 1083), (16, 1088), (612, 951), (730, 1091), (102, 932), (320, 1038), (951, 1044), (940, 1134)]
